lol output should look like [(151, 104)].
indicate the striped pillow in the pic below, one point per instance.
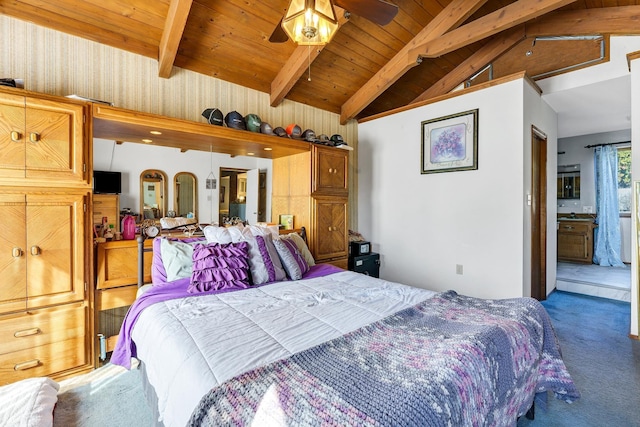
[(291, 258)]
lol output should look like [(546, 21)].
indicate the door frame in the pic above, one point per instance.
[(538, 214)]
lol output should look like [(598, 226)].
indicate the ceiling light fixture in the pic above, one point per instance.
[(310, 22)]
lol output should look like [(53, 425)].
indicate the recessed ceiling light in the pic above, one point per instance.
[(155, 132), (251, 154), (268, 149), (147, 140)]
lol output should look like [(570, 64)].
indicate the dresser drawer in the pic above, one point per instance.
[(42, 361), (40, 327)]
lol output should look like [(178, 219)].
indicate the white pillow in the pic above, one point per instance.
[(177, 258), (216, 234), (29, 402), (259, 230)]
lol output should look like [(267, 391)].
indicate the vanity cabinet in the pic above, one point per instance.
[(45, 258), (42, 140), (313, 187), (575, 241)]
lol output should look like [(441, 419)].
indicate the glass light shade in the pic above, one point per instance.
[(310, 22)]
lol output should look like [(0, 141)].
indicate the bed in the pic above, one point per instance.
[(301, 344)]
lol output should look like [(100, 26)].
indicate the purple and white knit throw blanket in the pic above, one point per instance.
[(449, 361)]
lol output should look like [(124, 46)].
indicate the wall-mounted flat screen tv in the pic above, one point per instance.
[(107, 182)]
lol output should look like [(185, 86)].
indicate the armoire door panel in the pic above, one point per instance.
[(13, 257), (12, 136), (54, 249)]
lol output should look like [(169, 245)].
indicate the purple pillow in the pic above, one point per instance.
[(220, 266)]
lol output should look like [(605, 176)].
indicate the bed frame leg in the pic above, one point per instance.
[(531, 413)]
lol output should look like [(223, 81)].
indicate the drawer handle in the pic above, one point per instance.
[(34, 137), (35, 250), (27, 332), (27, 365), (16, 136), (567, 227), (16, 252)]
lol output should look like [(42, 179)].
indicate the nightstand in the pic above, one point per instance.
[(366, 264)]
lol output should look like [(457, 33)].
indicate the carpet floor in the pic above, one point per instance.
[(593, 333)]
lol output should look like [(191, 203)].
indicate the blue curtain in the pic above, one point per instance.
[(606, 250)]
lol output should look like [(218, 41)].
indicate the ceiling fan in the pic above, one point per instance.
[(379, 12)]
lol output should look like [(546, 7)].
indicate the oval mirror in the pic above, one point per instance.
[(153, 188), (186, 203)]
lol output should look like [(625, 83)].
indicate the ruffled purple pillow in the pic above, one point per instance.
[(220, 267)]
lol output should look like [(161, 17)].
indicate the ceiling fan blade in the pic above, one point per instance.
[(278, 35), (380, 12)]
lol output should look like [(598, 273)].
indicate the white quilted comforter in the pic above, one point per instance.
[(190, 345)]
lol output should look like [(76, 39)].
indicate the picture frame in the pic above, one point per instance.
[(286, 221), (450, 143)]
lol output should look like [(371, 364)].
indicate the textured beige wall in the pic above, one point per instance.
[(58, 64)]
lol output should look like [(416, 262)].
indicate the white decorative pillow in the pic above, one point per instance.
[(302, 247), (216, 234), (177, 258), (259, 230)]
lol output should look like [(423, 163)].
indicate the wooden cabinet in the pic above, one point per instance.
[(42, 140), (45, 258), (106, 205), (313, 188), (575, 241)]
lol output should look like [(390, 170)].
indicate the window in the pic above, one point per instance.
[(624, 180)]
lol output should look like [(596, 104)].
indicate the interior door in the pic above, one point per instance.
[(253, 178), (538, 215)]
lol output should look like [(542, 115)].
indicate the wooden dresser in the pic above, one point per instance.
[(313, 187), (45, 310)]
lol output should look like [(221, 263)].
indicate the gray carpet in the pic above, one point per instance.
[(593, 335), (108, 396)]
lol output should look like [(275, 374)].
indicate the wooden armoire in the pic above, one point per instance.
[(45, 300)]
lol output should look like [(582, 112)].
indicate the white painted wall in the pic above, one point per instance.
[(132, 159), (423, 225)]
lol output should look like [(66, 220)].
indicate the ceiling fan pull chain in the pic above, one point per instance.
[(309, 51)]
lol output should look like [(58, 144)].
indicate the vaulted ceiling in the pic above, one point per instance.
[(428, 49)]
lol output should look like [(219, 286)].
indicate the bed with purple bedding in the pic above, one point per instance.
[(340, 348)]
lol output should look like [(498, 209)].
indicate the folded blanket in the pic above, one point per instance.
[(450, 360)]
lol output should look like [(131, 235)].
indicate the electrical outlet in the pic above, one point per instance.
[(587, 209), (458, 268)]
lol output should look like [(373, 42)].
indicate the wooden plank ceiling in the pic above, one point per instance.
[(429, 48)]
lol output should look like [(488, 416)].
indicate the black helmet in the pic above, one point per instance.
[(337, 140), (280, 132), (253, 122), (309, 136), (213, 116), (235, 120), (266, 128)]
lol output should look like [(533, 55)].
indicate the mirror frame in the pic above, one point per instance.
[(154, 175), (194, 195)]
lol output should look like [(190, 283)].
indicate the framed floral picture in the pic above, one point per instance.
[(450, 143)]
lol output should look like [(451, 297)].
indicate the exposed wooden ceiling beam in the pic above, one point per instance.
[(485, 55), (298, 62), (172, 34), (623, 20), (451, 17), (487, 26)]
